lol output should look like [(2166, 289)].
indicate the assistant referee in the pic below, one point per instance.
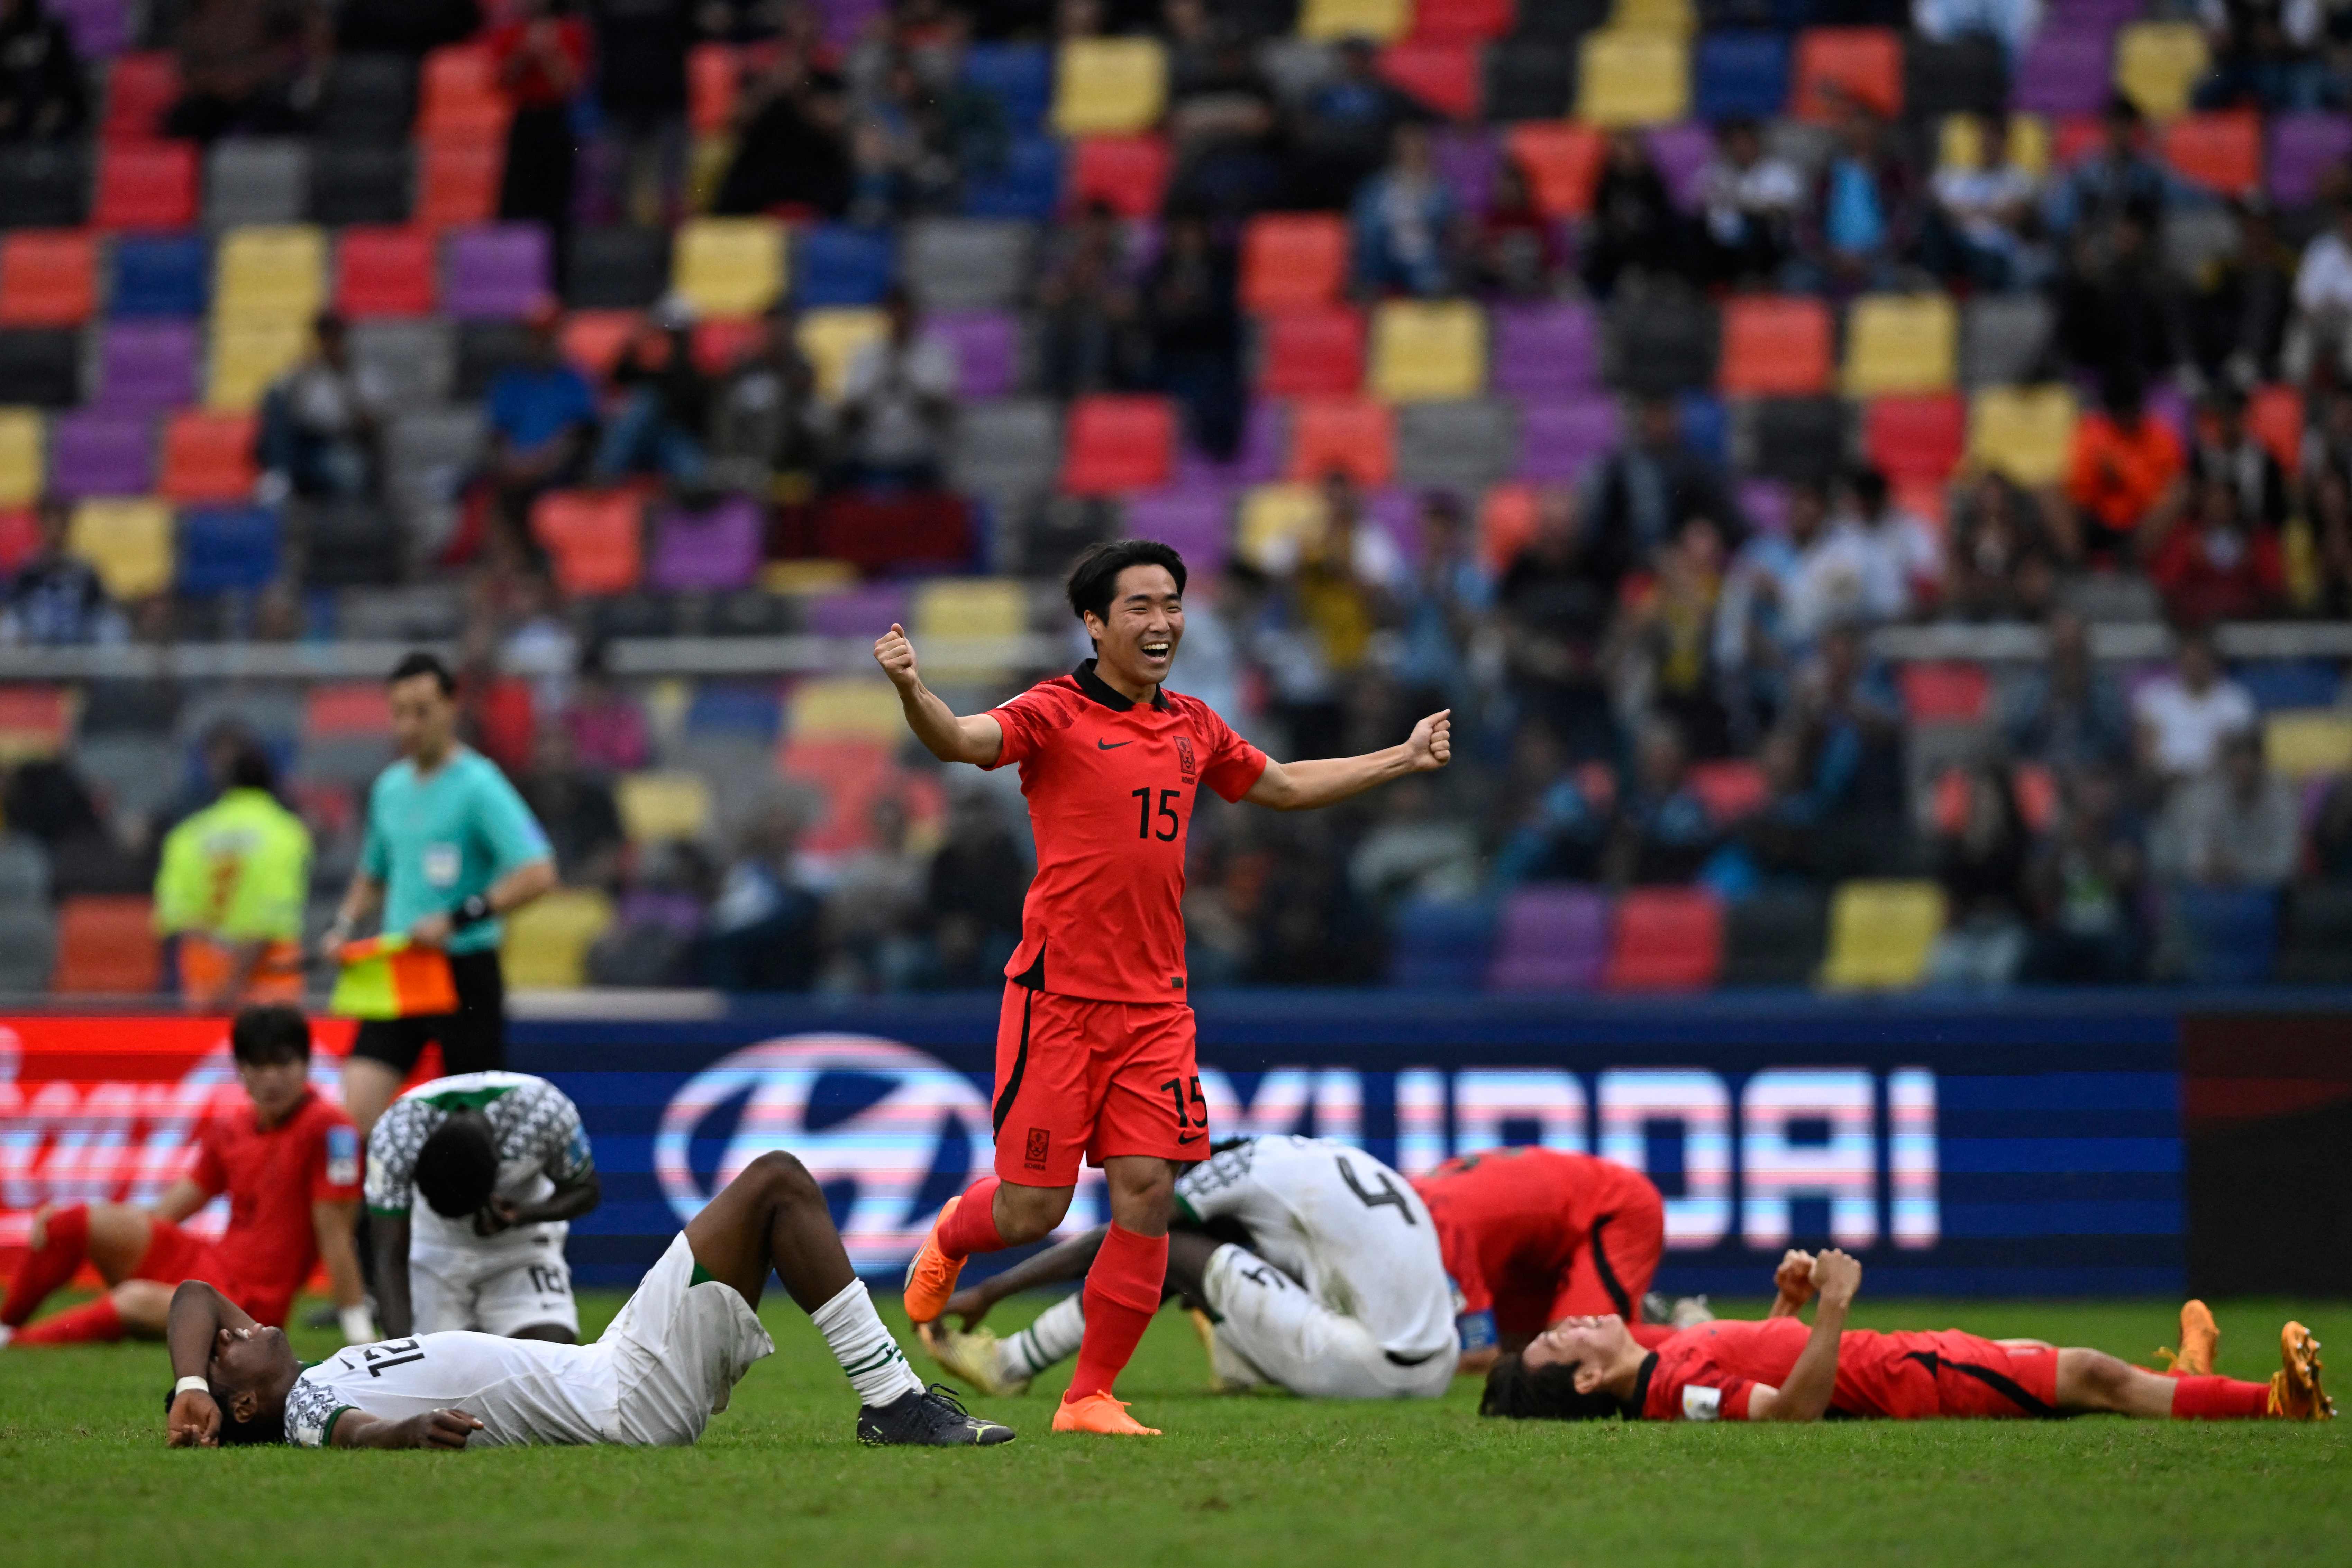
[(450, 847)]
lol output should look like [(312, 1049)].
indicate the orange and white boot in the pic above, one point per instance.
[(932, 1276), (2200, 1337), (1101, 1414), (2296, 1394)]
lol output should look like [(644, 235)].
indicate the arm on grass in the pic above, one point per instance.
[(394, 1313), (428, 1429), (198, 1314), (979, 740), (1302, 786), (1805, 1396)]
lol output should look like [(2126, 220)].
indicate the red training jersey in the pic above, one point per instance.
[(1510, 1220), (272, 1175), (1110, 785), (1712, 1371)]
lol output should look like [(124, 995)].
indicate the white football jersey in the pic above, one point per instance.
[(524, 1391)]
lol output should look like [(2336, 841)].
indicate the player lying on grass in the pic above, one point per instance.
[(1779, 1370), (1335, 1292), (665, 1365), (289, 1163)]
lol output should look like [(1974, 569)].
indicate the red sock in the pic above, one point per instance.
[(2219, 1399), (93, 1322), (1122, 1292), (61, 1253), (972, 1227)]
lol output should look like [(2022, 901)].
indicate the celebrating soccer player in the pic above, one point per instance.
[(1778, 1370), (289, 1163), (1094, 1045), (666, 1364)]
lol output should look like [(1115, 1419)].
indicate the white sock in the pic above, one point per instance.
[(870, 1358), (1054, 1337)]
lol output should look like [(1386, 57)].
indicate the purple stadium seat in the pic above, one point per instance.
[(987, 345), (1265, 442), (857, 611), (147, 365), (1681, 152), (2086, 15), (678, 913), (1562, 440), (100, 452), (1546, 351), (2303, 148), (1395, 510), (100, 28), (715, 548), (2065, 71), (1764, 504), (847, 21), (1551, 939), (496, 272), (1198, 519), (1467, 160)]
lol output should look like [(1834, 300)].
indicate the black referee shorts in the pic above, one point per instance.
[(472, 1039)]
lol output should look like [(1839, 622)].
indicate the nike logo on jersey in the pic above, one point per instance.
[(1184, 1138), (1113, 745)]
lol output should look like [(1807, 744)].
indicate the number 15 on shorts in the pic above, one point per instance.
[(1192, 1107)]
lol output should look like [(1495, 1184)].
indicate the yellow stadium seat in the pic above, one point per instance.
[(2305, 742), (21, 472), (1898, 344), (1428, 351), (2023, 432), (1676, 18), (1960, 142), (1632, 79), (807, 576), (548, 938), (247, 355), (2157, 64), (1274, 517), (971, 608), (831, 339), (730, 265), (706, 170), (1881, 934), (271, 272), (129, 542), (1110, 86), (1382, 21), (662, 807), (848, 706)]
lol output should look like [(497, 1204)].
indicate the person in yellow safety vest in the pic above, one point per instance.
[(232, 888)]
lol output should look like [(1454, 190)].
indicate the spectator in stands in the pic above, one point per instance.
[(241, 63), (896, 403), (2124, 476), (1665, 639), (1556, 829), (2330, 510), (1843, 573), (1981, 855), (2180, 718), (641, 48), (1447, 604), (44, 94), (1085, 307), (1346, 128), (2063, 711), (2265, 55), (2237, 826), (2002, 564), (1225, 123), (874, 908), (1848, 721), (766, 424), (604, 725), (2118, 307), (2084, 886), (1906, 552), (2331, 833), (2013, 22), (1651, 486), (1515, 247), (763, 934), (1403, 222), (1750, 202), (1634, 226), (1556, 599), (323, 424), (2228, 452), (2237, 305), (1980, 231), (658, 425), (55, 598), (1340, 583), (2118, 179), (576, 808), (539, 646), (1662, 830), (791, 141), (918, 143), (1192, 318), (543, 60), (974, 893), (2323, 297), (1415, 850), (1863, 206), (2215, 563), (542, 423)]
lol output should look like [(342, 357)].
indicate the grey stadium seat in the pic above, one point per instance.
[(1530, 78), (139, 773), (426, 455), (421, 612), (362, 183), (417, 359), (967, 264), (2005, 338), (1792, 437), (251, 181), (42, 187), (24, 870), (41, 366), (622, 268), (1007, 449), (367, 99), (1297, 67), (485, 347), (28, 949), (350, 544), (1662, 343), (1463, 446)]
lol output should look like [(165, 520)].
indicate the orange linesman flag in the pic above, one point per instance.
[(392, 977)]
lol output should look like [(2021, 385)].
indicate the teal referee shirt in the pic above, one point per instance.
[(435, 841)]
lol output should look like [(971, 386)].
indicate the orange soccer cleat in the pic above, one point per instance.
[(2200, 1337), (2296, 1394), (932, 1276), (1099, 1413)]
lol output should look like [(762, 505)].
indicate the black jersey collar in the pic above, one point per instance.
[(1102, 692), (1634, 1407)]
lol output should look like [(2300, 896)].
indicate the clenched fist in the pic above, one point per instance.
[(1431, 746), (896, 655)]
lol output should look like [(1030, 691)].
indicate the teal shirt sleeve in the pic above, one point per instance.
[(376, 854), (513, 834)]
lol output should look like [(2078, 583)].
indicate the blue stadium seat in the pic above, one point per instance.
[(1030, 184), (2275, 683), (837, 264), (227, 550), (1020, 77), (729, 708), (2233, 933), (1740, 74), (1442, 944), (1706, 424), (162, 275)]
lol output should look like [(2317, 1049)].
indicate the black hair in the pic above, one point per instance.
[(1546, 1394), (268, 1033), (1869, 487), (458, 1169), (251, 768), (233, 1432), (413, 665), (1094, 576)]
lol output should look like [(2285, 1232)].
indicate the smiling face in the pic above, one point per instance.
[(1137, 643), (1594, 1344)]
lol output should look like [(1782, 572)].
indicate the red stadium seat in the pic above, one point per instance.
[(2073, 137), (459, 95), (592, 538), (1730, 790), (1664, 939), (1354, 435), (48, 277), (34, 721), (385, 271), (1776, 346), (1118, 444), (1563, 161), (107, 946), (714, 78), (2037, 796), (1462, 21), (145, 185), (722, 342), (593, 340), (1314, 352), (20, 536), (1126, 173), (457, 180), (139, 91), (1291, 260), (207, 456), (1910, 439), (1447, 76), (1945, 693), (2274, 414), (1507, 521), (2222, 153), (360, 710), (1837, 64)]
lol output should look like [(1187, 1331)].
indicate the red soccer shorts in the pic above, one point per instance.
[(1612, 1270), (174, 1255), (1079, 1079), (1916, 1375)]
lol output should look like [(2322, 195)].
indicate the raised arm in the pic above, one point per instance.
[(199, 1313), (1805, 1396), (978, 740), (1301, 786)]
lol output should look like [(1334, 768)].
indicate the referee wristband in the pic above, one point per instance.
[(191, 1386), (472, 911)]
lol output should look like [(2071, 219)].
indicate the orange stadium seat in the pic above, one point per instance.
[(1126, 173), (139, 91), (1918, 437), (1776, 346), (2274, 414), (1664, 939), (1507, 521), (207, 456), (34, 721), (1447, 76), (1293, 259), (385, 271), (1315, 353), (1354, 435), (457, 180), (48, 277), (107, 946), (1563, 161), (1834, 65), (1462, 21), (1945, 693), (2222, 153), (593, 537), (145, 185), (1117, 444), (593, 340), (460, 94)]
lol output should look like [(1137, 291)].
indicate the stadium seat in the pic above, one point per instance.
[(662, 807), (712, 548), (2274, 415), (160, 275), (1968, 74), (1118, 444), (147, 365), (48, 277), (831, 339), (1354, 435), (2222, 153), (1316, 352), (1447, 78), (107, 946), (1731, 789), (1915, 438), (1442, 944), (1959, 142), (2308, 744), (1775, 936), (1881, 933), (1126, 173), (385, 271), (227, 550), (1562, 441), (460, 95), (1546, 351), (1530, 79), (1666, 18), (368, 100), (1461, 445), (1900, 343), (41, 367), (22, 475), (1292, 260), (254, 180), (34, 721), (1834, 65), (713, 81), (1027, 185), (730, 266), (139, 91), (967, 264), (129, 542), (1945, 693), (29, 942), (457, 180), (1110, 86), (145, 185), (271, 273), (1427, 351), (952, 609), (1507, 521), (415, 357), (101, 452), (592, 538), (2006, 339), (1008, 451), (2231, 934), (839, 263), (1272, 519), (1663, 345), (1632, 79), (1461, 21), (1664, 939), (496, 271), (2024, 432), (846, 707), (1330, 21), (1775, 346), (621, 266), (547, 940), (44, 186), (1794, 439), (1740, 75), (246, 356), (719, 342), (1551, 939), (207, 456), (1562, 163), (593, 340), (2316, 946), (1019, 77), (2158, 65), (2303, 151)]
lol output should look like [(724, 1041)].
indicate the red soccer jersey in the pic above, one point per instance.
[(272, 1176), (1111, 784), (1711, 1372), (1510, 1222)]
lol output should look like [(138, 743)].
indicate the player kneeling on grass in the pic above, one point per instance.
[(666, 1364), (1339, 1293), (1778, 1370)]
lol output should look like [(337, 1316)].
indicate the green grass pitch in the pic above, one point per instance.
[(85, 1479)]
